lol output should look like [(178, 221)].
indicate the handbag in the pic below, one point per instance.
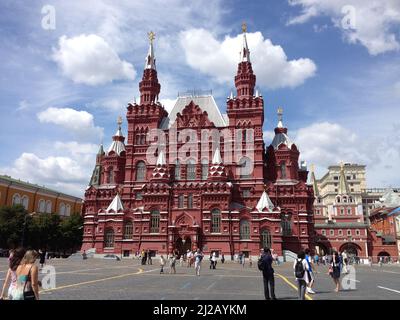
[(19, 292)]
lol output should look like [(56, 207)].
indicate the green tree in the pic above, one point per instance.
[(11, 225), (71, 229)]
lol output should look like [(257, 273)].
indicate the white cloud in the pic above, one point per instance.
[(68, 171), (328, 143), (168, 104), (219, 59), (79, 123), (376, 23), (90, 60)]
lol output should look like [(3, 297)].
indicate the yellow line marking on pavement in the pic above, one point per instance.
[(292, 285), (97, 280)]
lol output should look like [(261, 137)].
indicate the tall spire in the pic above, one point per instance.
[(280, 114), (149, 87), (343, 186), (150, 59), (245, 52), (245, 79), (314, 181)]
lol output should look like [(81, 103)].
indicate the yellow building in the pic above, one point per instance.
[(36, 198)]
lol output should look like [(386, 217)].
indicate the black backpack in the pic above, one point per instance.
[(260, 264), (299, 269)]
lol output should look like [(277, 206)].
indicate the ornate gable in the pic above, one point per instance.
[(193, 117)]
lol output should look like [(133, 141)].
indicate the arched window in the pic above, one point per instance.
[(245, 167), (62, 209), (177, 170), (42, 206), (190, 201), (338, 199), (283, 170), (25, 202), (266, 241), (140, 171), (286, 225), (191, 170), (109, 238), (48, 206), (67, 210), (244, 230), (111, 175), (204, 169), (128, 230), (16, 199), (155, 221), (142, 139), (180, 201), (215, 221)]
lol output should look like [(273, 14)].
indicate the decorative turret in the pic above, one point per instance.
[(281, 136), (245, 79), (160, 171), (217, 169), (117, 147), (283, 155), (149, 87)]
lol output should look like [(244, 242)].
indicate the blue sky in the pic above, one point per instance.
[(62, 89)]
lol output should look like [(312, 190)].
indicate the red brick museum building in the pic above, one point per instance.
[(197, 178)]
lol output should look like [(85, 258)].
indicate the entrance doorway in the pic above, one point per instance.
[(182, 246)]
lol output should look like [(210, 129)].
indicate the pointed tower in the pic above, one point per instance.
[(96, 175), (149, 87), (246, 118), (245, 79), (282, 155), (217, 169), (314, 182), (115, 159), (343, 185)]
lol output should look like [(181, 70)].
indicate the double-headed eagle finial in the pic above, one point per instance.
[(152, 36), (244, 27)]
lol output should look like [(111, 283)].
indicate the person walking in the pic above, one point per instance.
[(143, 255), (189, 257), (316, 259), (149, 261), (309, 271), (172, 263), (265, 265), (162, 264), (345, 262), (198, 257), (181, 260), (222, 258), (214, 260), (300, 267), (27, 278), (14, 261), (42, 255), (334, 270)]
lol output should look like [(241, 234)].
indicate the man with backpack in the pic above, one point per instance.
[(265, 265), (300, 267)]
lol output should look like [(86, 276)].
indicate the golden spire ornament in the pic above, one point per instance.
[(280, 113), (244, 27), (119, 121), (152, 36)]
